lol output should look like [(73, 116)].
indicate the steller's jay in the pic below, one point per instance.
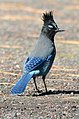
[(41, 58)]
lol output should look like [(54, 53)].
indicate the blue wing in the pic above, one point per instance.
[(33, 63)]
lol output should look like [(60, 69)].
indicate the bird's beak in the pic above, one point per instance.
[(59, 30)]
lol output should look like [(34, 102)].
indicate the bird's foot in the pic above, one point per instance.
[(39, 91)]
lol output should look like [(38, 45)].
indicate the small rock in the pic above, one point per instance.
[(17, 66), (72, 93)]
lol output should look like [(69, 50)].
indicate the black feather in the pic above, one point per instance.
[(48, 16)]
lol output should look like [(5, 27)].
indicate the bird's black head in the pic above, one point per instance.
[(50, 28)]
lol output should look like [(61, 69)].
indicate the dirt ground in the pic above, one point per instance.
[(20, 25)]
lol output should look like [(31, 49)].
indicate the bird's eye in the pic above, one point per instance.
[(50, 26)]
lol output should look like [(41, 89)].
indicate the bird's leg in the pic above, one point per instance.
[(35, 84), (44, 83)]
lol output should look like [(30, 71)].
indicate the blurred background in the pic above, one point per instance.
[(20, 26)]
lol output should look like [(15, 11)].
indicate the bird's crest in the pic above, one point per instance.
[(47, 16)]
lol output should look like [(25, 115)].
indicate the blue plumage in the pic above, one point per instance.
[(41, 58), (33, 67), (22, 82), (33, 63)]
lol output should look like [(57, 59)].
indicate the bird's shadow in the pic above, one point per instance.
[(50, 92)]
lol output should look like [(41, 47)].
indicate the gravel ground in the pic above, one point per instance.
[(20, 25)]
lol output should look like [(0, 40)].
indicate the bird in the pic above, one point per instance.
[(41, 58)]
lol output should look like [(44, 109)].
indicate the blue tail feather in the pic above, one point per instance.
[(20, 86)]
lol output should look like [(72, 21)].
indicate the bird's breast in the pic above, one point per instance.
[(47, 65)]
